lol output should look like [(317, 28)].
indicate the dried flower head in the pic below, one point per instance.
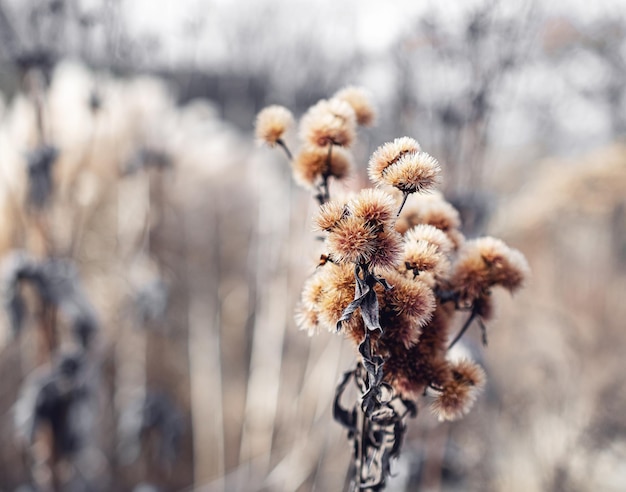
[(421, 258), (329, 122), (411, 370), (458, 395), (376, 207), (432, 209), (387, 155), (360, 101), (352, 241), (388, 250), (431, 235), (412, 298), (271, 124), (468, 372), (313, 290), (338, 292), (330, 214), (307, 319), (486, 262), (412, 172), (313, 163)]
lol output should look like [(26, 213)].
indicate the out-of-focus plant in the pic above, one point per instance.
[(391, 279)]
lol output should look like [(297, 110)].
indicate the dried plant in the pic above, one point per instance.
[(391, 281)]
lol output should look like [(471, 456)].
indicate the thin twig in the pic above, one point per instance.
[(405, 195), (463, 330), (282, 143)]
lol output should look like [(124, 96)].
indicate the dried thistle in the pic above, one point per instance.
[(359, 99), (272, 123), (391, 281), (329, 122)]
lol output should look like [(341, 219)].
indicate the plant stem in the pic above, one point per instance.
[(282, 143), (463, 330), (405, 195)]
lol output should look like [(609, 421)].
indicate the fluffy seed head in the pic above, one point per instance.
[(388, 154), (468, 372), (433, 210), (337, 294), (412, 298), (313, 290), (272, 123), (376, 207), (359, 99), (311, 163), (352, 241), (330, 214), (329, 122), (421, 258), (486, 262), (388, 250), (413, 172), (431, 235), (459, 394), (307, 319)]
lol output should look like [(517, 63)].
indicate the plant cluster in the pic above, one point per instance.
[(396, 271)]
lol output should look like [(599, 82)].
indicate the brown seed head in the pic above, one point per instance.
[(352, 241), (313, 289), (468, 372), (412, 298), (337, 294), (330, 214), (387, 155), (459, 394), (421, 258), (376, 207), (307, 319), (486, 262), (432, 209), (271, 124), (388, 250), (311, 163), (413, 172), (431, 235), (360, 101), (329, 122)]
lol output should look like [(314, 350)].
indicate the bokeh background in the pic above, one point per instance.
[(152, 254)]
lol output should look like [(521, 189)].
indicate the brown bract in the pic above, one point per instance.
[(360, 101), (329, 122), (271, 124)]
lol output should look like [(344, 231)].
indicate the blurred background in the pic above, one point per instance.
[(152, 254)]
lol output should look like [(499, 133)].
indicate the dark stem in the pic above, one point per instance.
[(323, 194), (322, 190), (360, 456), (483, 330), (463, 330), (282, 143), (405, 195)]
